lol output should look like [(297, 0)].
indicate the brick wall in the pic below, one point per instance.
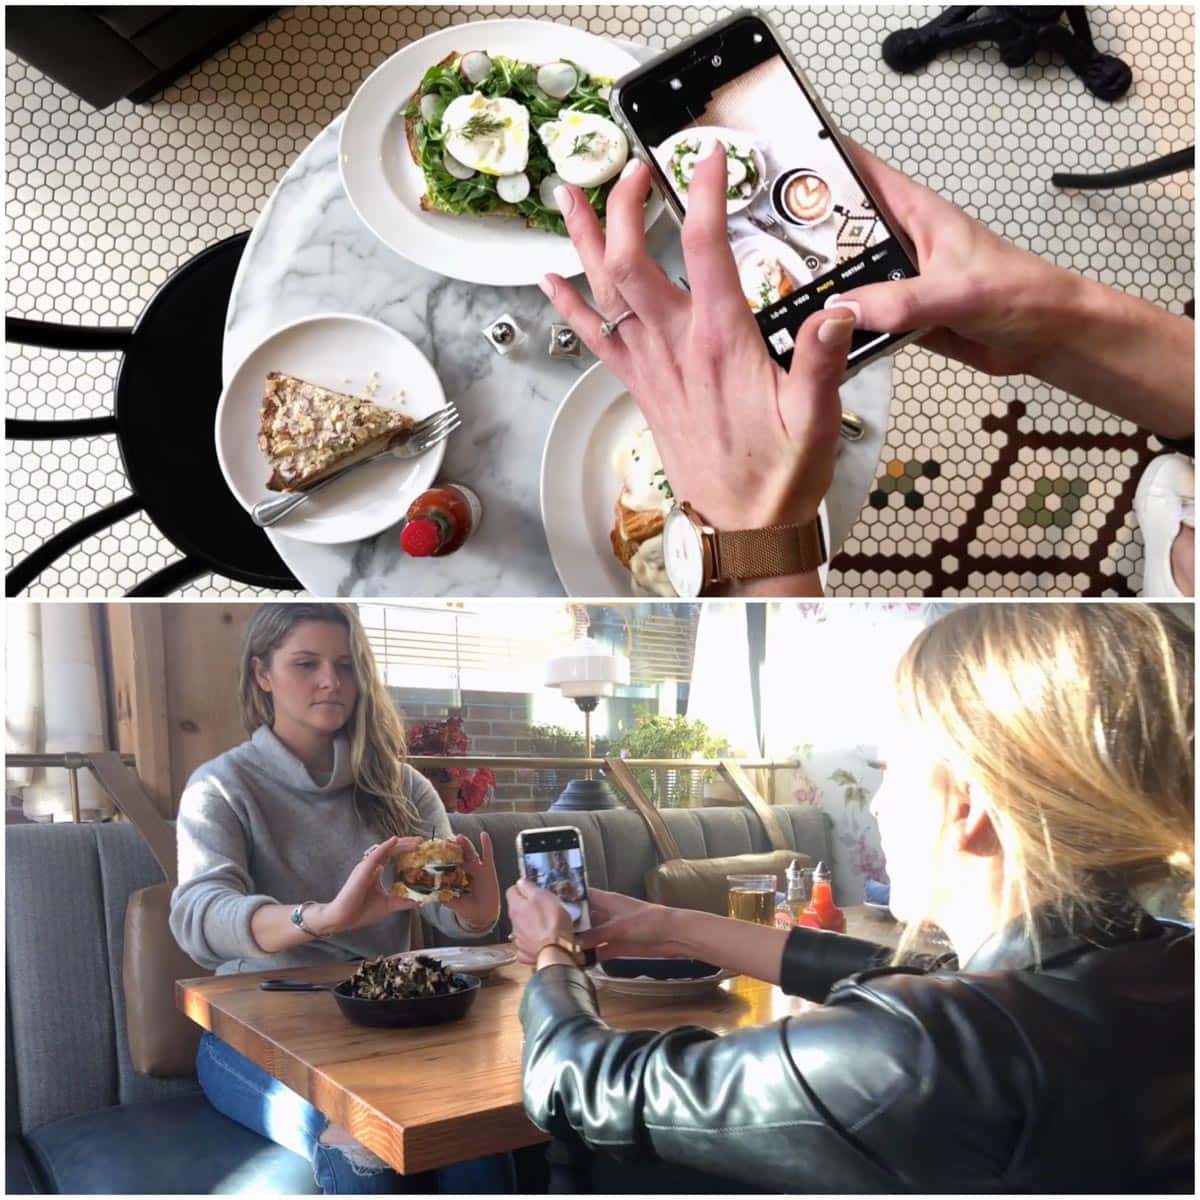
[(496, 723)]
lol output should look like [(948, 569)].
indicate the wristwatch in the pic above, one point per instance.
[(568, 945), (699, 557)]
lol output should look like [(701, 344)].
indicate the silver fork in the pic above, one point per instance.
[(424, 435), (767, 223)]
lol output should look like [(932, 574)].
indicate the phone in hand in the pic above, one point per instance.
[(803, 225), (552, 858)]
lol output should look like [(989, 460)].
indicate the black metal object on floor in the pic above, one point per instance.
[(1157, 168), (1019, 31), (164, 409)]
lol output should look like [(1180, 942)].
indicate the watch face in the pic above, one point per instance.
[(684, 554)]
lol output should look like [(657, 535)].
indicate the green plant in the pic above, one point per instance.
[(657, 736), (556, 740)]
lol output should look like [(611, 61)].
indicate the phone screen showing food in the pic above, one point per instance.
[(802, 224), (553, 859)]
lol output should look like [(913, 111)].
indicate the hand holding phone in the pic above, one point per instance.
[(802, 223)]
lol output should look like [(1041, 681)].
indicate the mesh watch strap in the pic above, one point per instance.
[(765, 553)]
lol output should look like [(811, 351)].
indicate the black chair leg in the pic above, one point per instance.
[(1180, 160), (170, 578), (65, 337), (30, 567), (21, 430)]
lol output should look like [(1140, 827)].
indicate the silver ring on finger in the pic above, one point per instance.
[(611, 327), (370, 850)]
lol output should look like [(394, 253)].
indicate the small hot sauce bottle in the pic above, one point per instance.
[(440, 520), (821, 912)]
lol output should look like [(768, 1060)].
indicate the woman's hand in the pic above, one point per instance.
[(747, 444), (481, 907), (625, 927), (1004, 311), (983, 298), (537, 919), (363, 900)]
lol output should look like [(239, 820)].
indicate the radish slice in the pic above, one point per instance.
[(512, 189), (546, 192), (431, 106), (457, 169), (476, 66), (557, 79)]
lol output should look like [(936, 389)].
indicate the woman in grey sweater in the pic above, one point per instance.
[(285, 851)]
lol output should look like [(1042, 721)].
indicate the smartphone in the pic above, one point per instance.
[(803, 225), (552, 858)]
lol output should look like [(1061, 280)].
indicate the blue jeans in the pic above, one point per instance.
[(244, 1092)]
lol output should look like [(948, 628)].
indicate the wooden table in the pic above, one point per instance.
[(424, 1098), (427, 1097)]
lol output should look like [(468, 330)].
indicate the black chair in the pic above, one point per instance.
[(1156, 168), (1018, 31), (165, 405)]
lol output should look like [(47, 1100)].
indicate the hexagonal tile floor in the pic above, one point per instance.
[(985, 487)]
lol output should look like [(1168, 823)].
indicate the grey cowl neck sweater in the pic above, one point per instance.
[(256, 828)]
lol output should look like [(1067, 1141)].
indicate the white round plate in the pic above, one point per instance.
[(659, 989), (385, 185), (341, 352), (788, 258), (707, 135), (579, 490), (474, 960)]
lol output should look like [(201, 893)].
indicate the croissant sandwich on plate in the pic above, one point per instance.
[(640, 512)]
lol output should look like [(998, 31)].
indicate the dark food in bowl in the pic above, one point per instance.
[(403, 979)]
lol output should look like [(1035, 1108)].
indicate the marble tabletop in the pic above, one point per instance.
[(310, 254)]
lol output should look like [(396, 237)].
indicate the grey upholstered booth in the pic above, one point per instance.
[(81, 1120)]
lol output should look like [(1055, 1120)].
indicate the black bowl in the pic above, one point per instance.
[(416, 1010)]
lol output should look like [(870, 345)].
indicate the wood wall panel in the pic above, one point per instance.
[(201, 648)]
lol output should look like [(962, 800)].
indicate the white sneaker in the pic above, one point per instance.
[(1165, 499)]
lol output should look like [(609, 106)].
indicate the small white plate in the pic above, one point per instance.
[(474, 960), (385, 185), (787, 256), (579, 490), (659, 989), (706, 135), (341, 352)]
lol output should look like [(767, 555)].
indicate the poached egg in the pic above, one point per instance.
[(490, 134), (586, 149), (644, 482)]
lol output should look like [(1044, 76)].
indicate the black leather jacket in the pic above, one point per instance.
[(1077, 1076)]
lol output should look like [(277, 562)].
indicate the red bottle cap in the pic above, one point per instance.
[(420, 538)]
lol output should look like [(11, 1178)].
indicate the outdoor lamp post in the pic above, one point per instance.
[(585, 674)]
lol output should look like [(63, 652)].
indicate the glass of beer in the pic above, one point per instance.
[(752, 898)]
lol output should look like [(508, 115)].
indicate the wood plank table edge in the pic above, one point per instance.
[(407, 1150)]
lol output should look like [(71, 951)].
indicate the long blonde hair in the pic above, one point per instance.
[(375, 731), (1077, 721)]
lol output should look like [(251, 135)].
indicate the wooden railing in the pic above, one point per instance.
[(619, 771)]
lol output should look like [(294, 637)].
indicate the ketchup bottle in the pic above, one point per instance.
[(821, 912), (440, 520)]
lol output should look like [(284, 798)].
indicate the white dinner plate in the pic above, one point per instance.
[(473, 960), (706, 135), (659, 989), (579, 490), (348, 354), (385, 185)]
